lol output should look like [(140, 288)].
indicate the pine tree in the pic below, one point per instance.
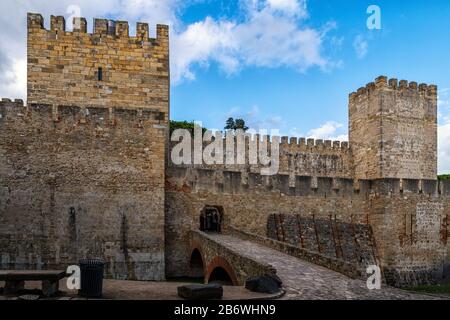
[(230, 124)]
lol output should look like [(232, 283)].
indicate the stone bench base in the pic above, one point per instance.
[(13, 287), (49, 287)]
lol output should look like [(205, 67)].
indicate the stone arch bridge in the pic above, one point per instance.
[(234, 256), (214, 260)]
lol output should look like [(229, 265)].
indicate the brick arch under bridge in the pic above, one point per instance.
[(219, 261)]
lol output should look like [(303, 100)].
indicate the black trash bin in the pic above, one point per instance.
[(91, 278)]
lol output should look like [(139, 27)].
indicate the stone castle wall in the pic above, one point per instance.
[(84, 170), (410, 220), (351, 242), (365, 212), (63, 66), (82, 182), (247, 201), (297, 156)]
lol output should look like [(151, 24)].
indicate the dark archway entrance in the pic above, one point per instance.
[(211, 220), (221, 276), (196, 265)]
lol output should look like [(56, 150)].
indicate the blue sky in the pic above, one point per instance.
[(407, 47), (279, 64)]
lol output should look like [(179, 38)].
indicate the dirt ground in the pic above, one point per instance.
[(136, 290)]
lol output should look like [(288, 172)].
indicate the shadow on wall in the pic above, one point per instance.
[(196, 265), (350, 242), (220, 276)]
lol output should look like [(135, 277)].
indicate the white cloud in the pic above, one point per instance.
[(267, 33), (361, 46), (151, 11), (444, 148), (270, 36), (14, 79), (444, 104), (444, 131), (292, 7), (201, 42), (328, 131), (255, 120)]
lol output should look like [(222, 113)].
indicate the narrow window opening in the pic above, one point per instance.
[(100, 74)]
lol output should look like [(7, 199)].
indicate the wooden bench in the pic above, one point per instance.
[(15, 280)]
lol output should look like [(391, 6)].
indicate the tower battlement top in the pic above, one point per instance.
[(102, 27), (382, 82)]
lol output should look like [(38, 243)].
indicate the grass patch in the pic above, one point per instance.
[(439, 288)]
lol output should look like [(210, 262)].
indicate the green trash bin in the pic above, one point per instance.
[(91, 271)]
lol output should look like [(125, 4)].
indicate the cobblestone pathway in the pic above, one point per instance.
[(303, 280)]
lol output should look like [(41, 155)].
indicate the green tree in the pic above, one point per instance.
[(240, 124), (232, 124), (174, 125), (444, 177)]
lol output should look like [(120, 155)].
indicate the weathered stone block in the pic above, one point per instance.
[(201, 292), (264, 284)]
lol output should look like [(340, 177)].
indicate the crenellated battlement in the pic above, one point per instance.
[(15, 102), (382, 82), (287, 143), (100, 116), (311, 144), (101, 27), (245, 151), (224, 181)]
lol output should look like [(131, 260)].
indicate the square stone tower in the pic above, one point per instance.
[(393, 130), (98, 122), (108, 68)]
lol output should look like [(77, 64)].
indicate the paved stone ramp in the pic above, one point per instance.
[(303, 280)]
